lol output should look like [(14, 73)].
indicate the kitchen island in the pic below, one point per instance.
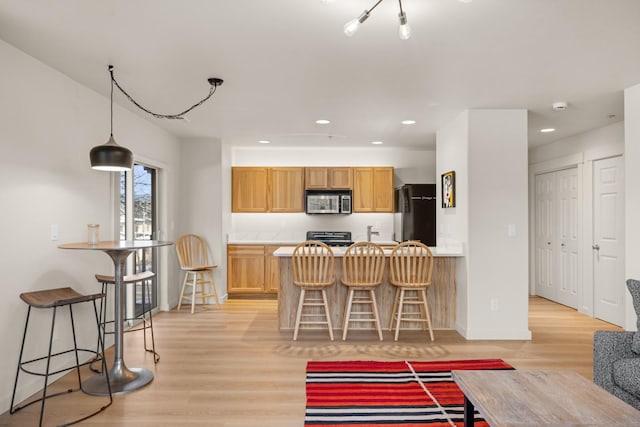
[(441, 294)]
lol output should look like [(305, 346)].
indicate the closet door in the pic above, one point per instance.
[(557, 236), (567, 236), (545, 248)]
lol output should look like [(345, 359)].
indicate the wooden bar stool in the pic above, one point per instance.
[(362, 271), (194, 261), (146, 317), (54, 298), (410, 270), (313, 272)]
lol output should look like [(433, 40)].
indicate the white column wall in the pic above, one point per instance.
[(488, 151), (498, 198), (49, 123), (632, 193)]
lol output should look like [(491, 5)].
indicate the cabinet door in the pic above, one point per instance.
[(287, 189), (340, 178), (249, 189), (245, 269), (272, 270), (316, 178), (383, 189), (363, 190)]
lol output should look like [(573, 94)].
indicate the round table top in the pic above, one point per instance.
[(116, 245)]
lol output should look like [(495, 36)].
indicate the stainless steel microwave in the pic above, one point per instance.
[(327, 202)]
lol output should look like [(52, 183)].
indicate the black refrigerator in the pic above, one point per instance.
[(415, 213)]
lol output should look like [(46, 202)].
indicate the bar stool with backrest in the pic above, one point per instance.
[(54, 299), (363, 267), (410, 270), (145, 318), (194, 261), (313, 272)]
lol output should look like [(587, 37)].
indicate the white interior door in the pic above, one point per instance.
[(608, 240), (545, 207), (567, 237)]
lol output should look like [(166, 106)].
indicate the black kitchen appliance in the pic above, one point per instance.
[(415, 213), (331, 238)]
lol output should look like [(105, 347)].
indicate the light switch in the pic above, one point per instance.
[(511, 230), (54, 231)]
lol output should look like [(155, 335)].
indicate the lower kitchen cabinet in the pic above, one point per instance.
[(252, 269)]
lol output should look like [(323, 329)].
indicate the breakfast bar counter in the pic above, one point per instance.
[(441, 294)]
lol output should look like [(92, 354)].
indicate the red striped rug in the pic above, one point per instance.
[(408, 394)]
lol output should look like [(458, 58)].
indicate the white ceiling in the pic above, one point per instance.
[(286, 63)]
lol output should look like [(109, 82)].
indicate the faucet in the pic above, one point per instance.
[(371, 233)]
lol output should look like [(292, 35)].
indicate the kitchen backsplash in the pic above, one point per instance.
[(294, 226)]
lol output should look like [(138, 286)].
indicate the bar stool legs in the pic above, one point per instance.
[(402, 301), (146, 317), (353, 299), (53, 299), (306, 301)]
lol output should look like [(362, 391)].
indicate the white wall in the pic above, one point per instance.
[(452, 142), (201, 201), (49, 123), (577, 151), (491, 195), (632, 200)]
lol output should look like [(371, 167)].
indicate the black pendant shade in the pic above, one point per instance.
[(111, 157)]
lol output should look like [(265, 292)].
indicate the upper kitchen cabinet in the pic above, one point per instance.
[(287, 189), (373, 189), (338, 178), (249, 189)]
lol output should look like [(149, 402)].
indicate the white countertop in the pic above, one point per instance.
[(338, 251)]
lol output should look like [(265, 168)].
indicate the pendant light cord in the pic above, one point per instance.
[(111, 72), (401, 12), (374, 6), (178, 116)]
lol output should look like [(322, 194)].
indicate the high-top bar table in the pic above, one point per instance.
[(122, 379)]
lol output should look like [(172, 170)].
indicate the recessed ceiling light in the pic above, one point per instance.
[(264, 141), (465, 1), (547, 130), (377, 142), (323, 122), (408, 122)]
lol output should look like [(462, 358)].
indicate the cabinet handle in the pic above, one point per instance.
[(596, 247), (548, 243), (561, 244)]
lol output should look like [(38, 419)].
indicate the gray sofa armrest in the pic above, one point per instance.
[(609, 346)]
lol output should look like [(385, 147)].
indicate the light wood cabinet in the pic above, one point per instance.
[(249, 189), (373, 189), (337, 178), (271, 270), (252, 269), (287, 189), (245, 269)]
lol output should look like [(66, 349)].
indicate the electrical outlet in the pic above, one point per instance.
[(54, 232), (495, 306)]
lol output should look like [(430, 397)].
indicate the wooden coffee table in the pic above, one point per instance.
[(540, 398)]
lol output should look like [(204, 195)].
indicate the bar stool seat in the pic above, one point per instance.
[(363, 267), (313, 272), (145, 317), (53, 299), (410, 270)]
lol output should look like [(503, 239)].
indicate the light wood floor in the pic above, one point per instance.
[(232, 367)]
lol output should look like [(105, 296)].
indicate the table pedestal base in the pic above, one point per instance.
[(122, 381)]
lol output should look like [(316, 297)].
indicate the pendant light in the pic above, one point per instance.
[(111, 156)]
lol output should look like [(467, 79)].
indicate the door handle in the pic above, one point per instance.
[(596, 247)]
